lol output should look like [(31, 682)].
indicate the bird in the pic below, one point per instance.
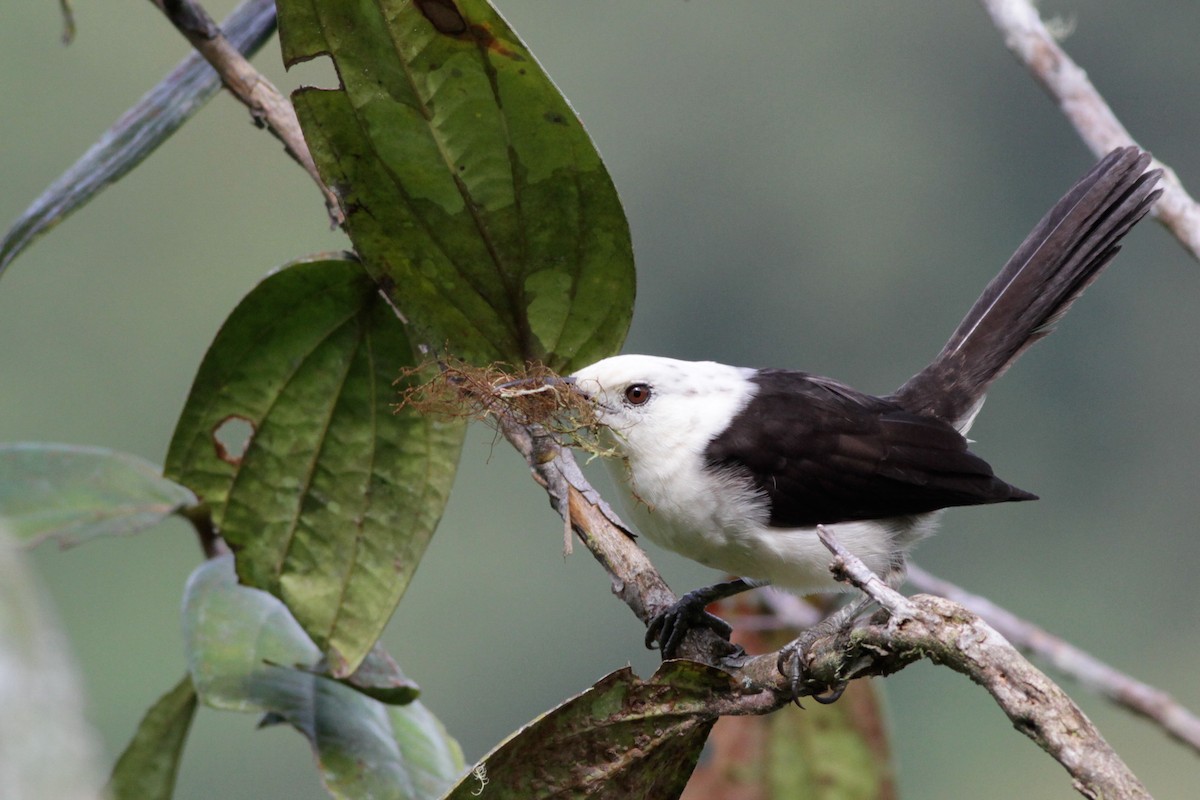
[(735, 467)]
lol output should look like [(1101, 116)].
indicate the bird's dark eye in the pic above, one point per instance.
[(637, 394)]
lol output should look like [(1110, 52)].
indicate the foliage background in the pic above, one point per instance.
[(824, 186)]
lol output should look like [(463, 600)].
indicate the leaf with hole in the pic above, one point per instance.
[(326, 494), (471, 190)]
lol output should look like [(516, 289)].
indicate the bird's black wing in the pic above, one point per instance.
[(822, 453)]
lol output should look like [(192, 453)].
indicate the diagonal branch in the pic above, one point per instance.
[(1027, 37), (634, 578), (914, 628), (947, 633), (267, 105), (1123, 690)]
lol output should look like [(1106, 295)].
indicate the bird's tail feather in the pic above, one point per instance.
[(1061, 257)]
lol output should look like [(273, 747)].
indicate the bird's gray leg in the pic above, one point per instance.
[(792, 656), (667, 628)]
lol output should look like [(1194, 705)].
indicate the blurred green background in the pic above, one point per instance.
[(824, 186)]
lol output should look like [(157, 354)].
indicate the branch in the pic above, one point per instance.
[(1122, 689), (946, 633), (1027, 37), (921, 627), (916, 628), (68, 15), (634, 578), (267, 105)]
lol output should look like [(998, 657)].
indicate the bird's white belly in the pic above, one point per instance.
[(725, 528)]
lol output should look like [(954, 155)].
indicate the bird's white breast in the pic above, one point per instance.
[(727, 530)]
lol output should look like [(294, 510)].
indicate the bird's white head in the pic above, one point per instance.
[(653, 405)]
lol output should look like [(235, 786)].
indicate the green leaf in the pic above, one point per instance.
[(471, 190), (335, 497), (71, 493), (621, 738), (147, 768), (138, 132), (379, 676), (242, 645)]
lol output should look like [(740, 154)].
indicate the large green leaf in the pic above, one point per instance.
[(242, 647), (147, 768), (71, 493), (331, 502), (471, 190), (138, 132), (621, 738)]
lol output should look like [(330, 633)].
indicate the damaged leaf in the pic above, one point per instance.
[(471, 190), (331, 501), (623, 737)]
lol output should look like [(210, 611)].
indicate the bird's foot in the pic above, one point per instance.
[(793, 662), (667, 629), (796, 657)]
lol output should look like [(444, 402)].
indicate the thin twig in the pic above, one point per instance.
[(947, 633), (1122, 689), (267, 105), (1028, 38)]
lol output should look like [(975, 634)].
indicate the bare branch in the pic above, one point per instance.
[(634, 578), (1122, 689), (947, 633), (1027, 37), (914, 628), (267, 105)]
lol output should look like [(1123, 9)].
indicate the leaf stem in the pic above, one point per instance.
[(200, 517)]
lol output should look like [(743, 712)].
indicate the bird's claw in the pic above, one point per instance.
[(792, 663), (667, 629)]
